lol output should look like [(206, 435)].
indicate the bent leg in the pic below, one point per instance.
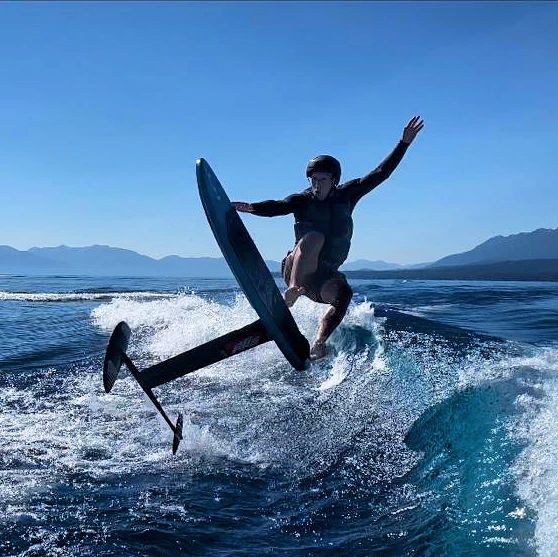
[(303, 261), (338, 294), (305, 257)]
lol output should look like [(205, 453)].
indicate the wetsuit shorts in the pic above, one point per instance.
[(315, 281)]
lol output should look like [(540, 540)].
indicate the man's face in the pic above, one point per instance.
[(322, 182)]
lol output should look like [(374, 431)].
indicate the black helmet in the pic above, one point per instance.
[(325, 163)]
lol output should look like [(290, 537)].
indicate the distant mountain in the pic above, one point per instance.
[(530, 269), (539, 244), (103, 260), (13, 261), (106, 260), (417, 266), (370, 265)]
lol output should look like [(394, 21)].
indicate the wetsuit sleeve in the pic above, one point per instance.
[(276, 208), (361, 186)]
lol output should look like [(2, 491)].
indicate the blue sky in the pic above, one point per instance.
[(106, 106)]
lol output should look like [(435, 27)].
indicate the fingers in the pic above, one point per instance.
[(412, 121), (240, 206), (415, 123), (412, 129)]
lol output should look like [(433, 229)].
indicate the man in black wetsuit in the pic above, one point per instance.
[(323, 231)]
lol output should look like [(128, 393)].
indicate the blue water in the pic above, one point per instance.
[(431, 430)]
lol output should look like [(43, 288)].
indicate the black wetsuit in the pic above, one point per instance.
[(332, 216)]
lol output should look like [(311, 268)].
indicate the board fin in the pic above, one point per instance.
[(211, 352), (117, 346), (115, 357), (177, 433)]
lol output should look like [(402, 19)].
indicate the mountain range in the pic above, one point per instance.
[(107, 260), (541, 244)]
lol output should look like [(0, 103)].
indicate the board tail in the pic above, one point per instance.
[(213, 351)]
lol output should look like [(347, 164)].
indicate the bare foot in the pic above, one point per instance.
[(292, 294), (318, 350)]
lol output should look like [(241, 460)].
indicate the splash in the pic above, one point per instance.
[(38, 297), (536, 469)]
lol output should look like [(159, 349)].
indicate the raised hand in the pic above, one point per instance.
[(411, 129), (242, 207)]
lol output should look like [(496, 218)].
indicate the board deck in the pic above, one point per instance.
[(249, 268)]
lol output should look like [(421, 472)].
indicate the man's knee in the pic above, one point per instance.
[(340, 300), (343, 297), (311, 242), (338, 294)]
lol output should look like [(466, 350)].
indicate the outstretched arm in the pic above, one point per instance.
[(268, 208), (383, 171)]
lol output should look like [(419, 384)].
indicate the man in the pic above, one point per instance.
[(323, 232)]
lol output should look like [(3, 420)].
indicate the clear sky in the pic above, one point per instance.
[(105, 107)]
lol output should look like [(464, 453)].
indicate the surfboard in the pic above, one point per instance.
[(249, 268), (275, 320)]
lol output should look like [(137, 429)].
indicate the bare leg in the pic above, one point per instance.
[(337, 293), (304, 262)]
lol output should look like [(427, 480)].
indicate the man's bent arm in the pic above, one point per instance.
[(382, 172), (274, 208)]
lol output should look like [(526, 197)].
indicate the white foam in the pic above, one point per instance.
[(536, 469), (171, 326), (362, 315), (78, 296), (339, 370), (433, 307)]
